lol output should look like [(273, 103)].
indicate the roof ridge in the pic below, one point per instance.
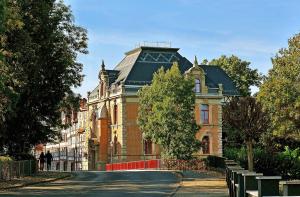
[(210, 65), (119, 63), (132, 66)]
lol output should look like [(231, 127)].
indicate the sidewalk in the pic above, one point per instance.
[(40, 177), (204, 184)]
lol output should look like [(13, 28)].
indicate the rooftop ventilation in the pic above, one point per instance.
[(154, 44)]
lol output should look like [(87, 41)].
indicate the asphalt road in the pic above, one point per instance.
[(130, 183)]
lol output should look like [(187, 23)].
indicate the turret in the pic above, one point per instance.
[(195, 62), (102, 71)]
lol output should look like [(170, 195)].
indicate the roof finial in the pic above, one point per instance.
[(195, 61), (103, 65)]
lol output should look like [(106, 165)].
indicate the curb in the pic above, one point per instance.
[(39, 182), (179, 175)]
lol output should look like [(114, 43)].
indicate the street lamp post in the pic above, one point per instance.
[(111, 153)]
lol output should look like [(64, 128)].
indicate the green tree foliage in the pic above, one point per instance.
[(239, 71), (43, 62), (233, 138), (246, 115), (3, 97), (285, 163), (166, 113), (9, 21), (280, 92)]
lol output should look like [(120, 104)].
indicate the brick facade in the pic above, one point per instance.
[(115, 103)]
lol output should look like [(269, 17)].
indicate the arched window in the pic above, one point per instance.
[(115, 113), (197, 86), (205, 145)]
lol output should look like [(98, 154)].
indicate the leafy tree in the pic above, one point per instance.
[(280, 92), (43, 62), (204, 62), (9, 21), (244, 77), (246, 115), (3, 98), (166, 113), (239, 71), (233, 138)]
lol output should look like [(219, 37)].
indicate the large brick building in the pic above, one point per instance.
[(113, 105)]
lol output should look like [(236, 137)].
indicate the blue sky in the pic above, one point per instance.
[(254, 30)]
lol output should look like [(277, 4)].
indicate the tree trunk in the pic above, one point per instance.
[(250, 155)]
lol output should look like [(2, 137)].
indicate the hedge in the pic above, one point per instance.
[(285, 164)]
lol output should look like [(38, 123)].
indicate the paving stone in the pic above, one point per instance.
[(204, 184)]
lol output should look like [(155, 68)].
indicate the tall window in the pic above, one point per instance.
[(115, 145), (204, 114), (148, 146), (197, 85), (115, 113), (101, 89), (94, 123), (205, 145)]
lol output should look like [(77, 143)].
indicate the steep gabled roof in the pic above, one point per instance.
[(139, 65), (125, 66), (216, 75), (150, 61)]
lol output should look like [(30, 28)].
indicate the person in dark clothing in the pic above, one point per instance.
[(42, 161), (49, 159)]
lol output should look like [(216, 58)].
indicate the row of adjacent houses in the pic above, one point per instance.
[(71, 151), (105, 128)]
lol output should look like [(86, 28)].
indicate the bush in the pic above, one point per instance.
[(215, 161), (278, 143), (289, 163), (285, 164), (237, 154), (5, 158), (23, 156), (265, 162), (231, 153)]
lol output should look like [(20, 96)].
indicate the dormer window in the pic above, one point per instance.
[(197, 86), (101, 89)]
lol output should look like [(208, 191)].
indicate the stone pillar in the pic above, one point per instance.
[(103, 145), (220, 142), (123, 128)]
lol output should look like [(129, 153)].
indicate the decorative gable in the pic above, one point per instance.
[(199, 75)]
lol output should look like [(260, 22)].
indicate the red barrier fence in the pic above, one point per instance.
[(196, 164), (134, 165)]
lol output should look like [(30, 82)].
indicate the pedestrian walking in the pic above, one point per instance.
[(42, 161), (49, 160)]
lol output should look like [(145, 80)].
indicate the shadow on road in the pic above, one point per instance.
[(123, 184)]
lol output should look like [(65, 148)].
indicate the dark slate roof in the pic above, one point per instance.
[(112, 75), (139, 65), (148, 63), (216, 75)]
